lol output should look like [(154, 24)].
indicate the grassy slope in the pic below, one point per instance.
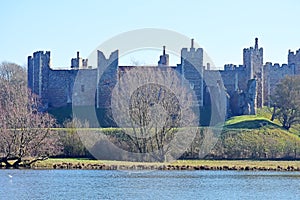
[(253, 121), (260, 123), (259, 132), (249, 122)]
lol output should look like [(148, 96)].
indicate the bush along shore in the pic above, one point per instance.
[(243, 165)]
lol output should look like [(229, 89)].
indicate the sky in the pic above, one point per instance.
[(222, 27)]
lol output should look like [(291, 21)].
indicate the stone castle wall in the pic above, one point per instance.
[(86, 86), (84, 90), (234, 79), (60, 87), (273, 73)]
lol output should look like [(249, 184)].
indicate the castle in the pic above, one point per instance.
[(247, 86)]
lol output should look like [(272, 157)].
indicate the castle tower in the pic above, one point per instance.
[(253, 62), (107, 75), (38, 75), (192, 69), (294, 60)]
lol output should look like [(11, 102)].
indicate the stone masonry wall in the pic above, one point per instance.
[(58, 88), (107, 78), (84, 90), (272, 76)]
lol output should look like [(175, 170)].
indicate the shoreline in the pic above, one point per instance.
[(237, 165), (168, 167)]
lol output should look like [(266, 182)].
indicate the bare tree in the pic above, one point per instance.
[(157, 112), (26, 135), (13, 73)]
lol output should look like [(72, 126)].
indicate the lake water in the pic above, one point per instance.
[(98, 184)]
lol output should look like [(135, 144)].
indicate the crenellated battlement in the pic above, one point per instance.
[(276, 67), (294, 53), (294, 59), (192, 55), (232, 67)]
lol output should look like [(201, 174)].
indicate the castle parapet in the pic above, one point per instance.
[(232, 67), (276, 67)]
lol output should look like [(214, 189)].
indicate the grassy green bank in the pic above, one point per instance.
[(242, 137), (74, 163)]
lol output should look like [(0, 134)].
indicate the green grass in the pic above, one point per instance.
[(258, 121), (211, 163), (264, 112), (237, 163), (249, 122), (295, 130), (51, 161)]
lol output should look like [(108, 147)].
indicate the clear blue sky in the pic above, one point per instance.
[(223, 28)]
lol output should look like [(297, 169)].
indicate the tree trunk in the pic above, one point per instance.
[(273, 114), (16, 164), (7, 164), (287, 127)]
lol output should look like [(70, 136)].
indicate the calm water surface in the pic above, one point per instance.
[(90, 184)]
